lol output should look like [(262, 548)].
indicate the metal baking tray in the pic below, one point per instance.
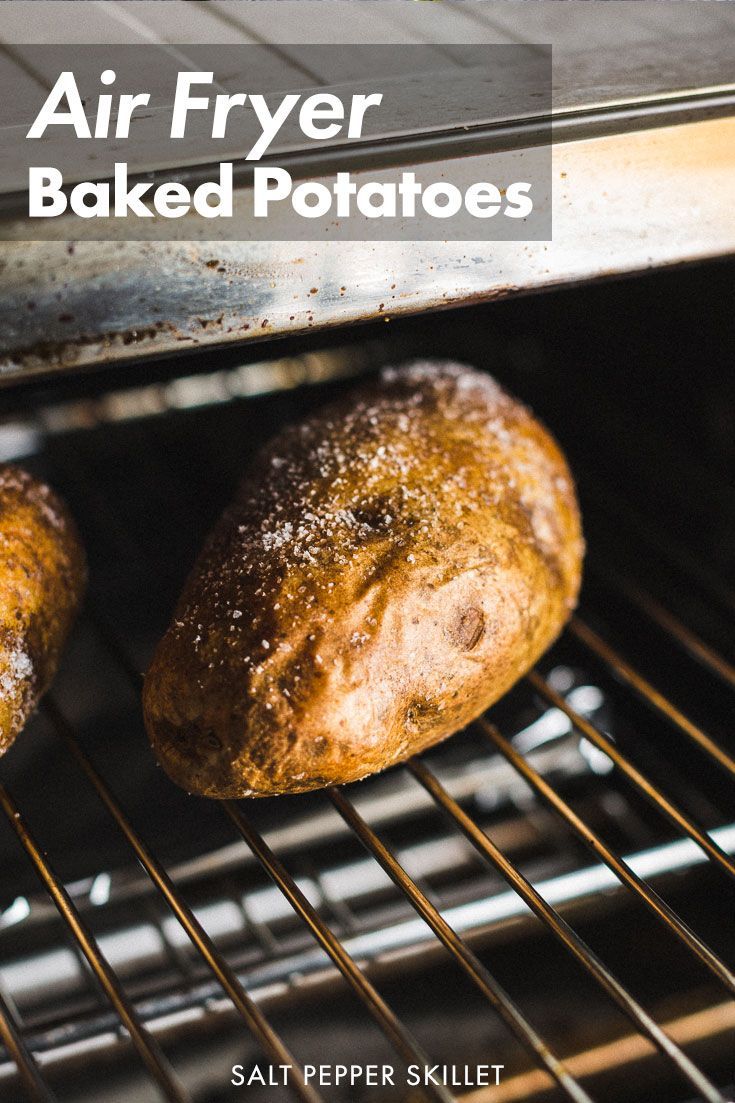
[(643, 162)]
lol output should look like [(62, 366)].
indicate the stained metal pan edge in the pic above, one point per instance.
[(625, 199)]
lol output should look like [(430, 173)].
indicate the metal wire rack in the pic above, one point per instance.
[(589, 647)]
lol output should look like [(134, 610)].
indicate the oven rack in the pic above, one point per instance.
[(590, 646)]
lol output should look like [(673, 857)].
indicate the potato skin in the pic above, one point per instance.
[(42, 579), (386, 572)]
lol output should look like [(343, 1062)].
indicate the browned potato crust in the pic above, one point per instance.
[(42, 577), (388, 569)]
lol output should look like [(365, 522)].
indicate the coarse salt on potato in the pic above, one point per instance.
[(388, 569)]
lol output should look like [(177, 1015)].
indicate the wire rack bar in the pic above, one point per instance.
[(148, 1049), (617, 865), (644, 786), (34, 1086), (566, 935), (245, 1006), (513, 1017), (627, 1054), (643, 688), (398, 1035), (688, 640)]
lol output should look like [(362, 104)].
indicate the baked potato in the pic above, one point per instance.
[(42, 579), (388, 570)]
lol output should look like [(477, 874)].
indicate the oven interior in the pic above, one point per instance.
[(634, 377)]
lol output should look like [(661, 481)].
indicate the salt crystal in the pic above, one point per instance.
[(20, 668)]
